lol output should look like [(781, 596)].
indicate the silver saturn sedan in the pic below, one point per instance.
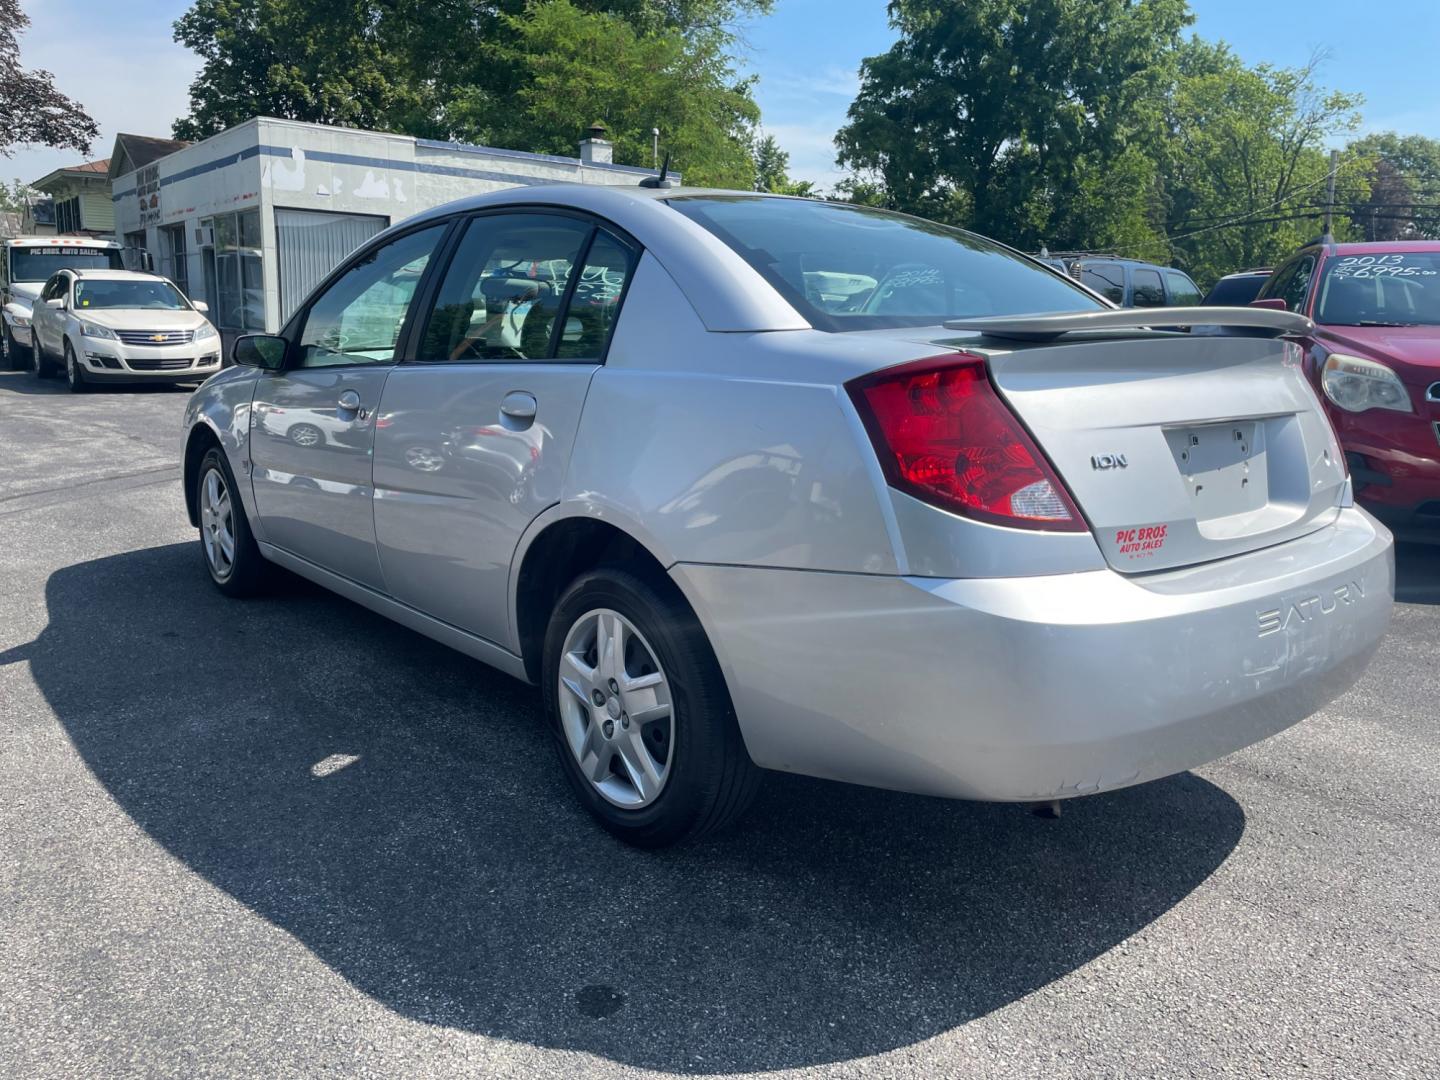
[(746, 482)]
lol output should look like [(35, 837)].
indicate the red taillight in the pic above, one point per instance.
[(944, 435)]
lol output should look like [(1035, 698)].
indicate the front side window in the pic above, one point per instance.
[(1183, 291), (1297, 286), (358, 318), (1146, 289), (97, 293), (1108, 281), (1380, 290), (848, 267), (54, 288), (504, 289)]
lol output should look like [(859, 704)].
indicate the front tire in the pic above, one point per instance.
[(16, 356), (39, 365), (74, 373), (640, 714), (227, 547)]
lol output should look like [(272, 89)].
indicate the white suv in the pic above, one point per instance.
[(121, 326)]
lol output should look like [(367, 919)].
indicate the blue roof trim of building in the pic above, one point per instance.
[(525, 155), (366, 161), (199, 170)]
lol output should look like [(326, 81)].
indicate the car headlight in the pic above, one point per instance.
[(1356, 384), (18, 319), (95, 330), (205, 332)]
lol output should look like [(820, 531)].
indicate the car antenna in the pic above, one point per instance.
[(659, 181)]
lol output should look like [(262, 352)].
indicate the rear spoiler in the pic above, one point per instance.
[(1271, 323)]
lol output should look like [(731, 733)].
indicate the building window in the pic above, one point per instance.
[(174, 263), (309, 244), (234, 277), (67, 215), (134, 253)]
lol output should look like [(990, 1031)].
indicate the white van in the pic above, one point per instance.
[(26, 263)]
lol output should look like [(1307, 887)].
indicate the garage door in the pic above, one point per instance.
[(311, 244)]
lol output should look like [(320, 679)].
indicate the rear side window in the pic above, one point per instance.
[(511, 275), (1108, 281), (1183, 291), (1146, 289), (853, 268)]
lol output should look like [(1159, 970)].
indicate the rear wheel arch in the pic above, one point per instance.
[(202, 437), (560, 553)]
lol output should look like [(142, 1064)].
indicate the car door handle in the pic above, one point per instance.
[(349, 401), (519, 406)]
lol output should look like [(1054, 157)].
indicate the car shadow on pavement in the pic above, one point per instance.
[(23, 382), (397, 809)]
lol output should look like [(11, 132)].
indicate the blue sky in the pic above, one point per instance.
[(117, 58)]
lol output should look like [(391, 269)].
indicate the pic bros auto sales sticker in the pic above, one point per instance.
[(1142, 542)]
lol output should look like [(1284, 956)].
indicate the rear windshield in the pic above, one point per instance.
[(101, 293), (1236, 291), (38, 263), (1381, 290), (852, 268)]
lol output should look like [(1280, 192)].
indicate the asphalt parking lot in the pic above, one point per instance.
[(287, 838)]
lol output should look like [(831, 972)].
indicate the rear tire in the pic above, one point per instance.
[(227, 547), (660, 779)]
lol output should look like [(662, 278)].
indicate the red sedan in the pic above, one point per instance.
[(1375, 358)]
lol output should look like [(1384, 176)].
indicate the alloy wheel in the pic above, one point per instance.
[(217, 524), (616, 709)]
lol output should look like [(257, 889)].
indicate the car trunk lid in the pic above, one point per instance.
[(1178, 448)]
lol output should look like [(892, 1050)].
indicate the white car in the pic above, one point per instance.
[(26, 264), (121, 326)]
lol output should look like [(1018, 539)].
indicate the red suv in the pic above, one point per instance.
[(1375, 358)]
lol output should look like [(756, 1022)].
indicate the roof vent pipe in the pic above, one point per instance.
[(595, 149)]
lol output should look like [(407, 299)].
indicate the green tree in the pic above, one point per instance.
[(326, 61), (1404, 197), (32, 110), (529, 74), (1032, 120), (576, 64), (16, 196), (1246, 163), (772, 169)]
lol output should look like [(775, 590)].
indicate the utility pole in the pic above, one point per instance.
[(655, 148), (1329, 237)]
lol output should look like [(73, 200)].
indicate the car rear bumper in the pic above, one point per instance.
[(1038, 688)]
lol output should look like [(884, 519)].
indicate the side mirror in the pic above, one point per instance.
[(200, 306), (1270, 303), (56, 302), (263, 351)]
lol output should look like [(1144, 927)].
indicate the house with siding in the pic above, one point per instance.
[(81, 198)]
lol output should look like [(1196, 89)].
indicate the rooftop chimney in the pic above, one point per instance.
[(594, 148)]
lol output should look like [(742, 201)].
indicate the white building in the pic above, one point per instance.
[(251, 219)]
